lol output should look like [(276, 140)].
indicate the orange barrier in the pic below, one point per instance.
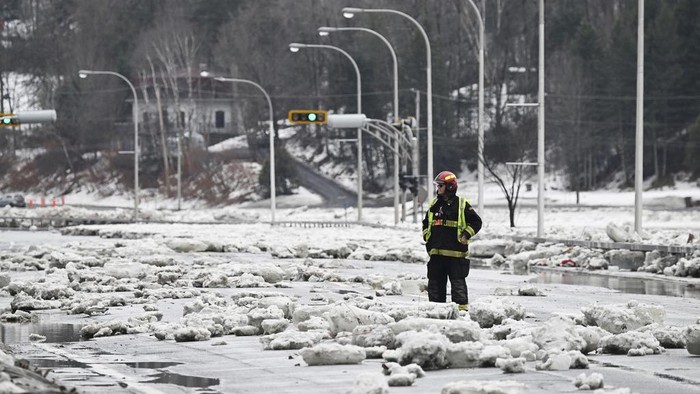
[(43, 202)]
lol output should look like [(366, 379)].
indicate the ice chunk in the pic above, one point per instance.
[(558, 333), (455, 330), (185, 245), (669, 337), (290, 340), (375, 351), (374, 335), (592, 382), (529, 290), (402, 375), (555, 362), (305, 312), (616, 233), (623, 343), (463, 354), (489, 354), (190, 334), (273, 326), (425, 348), (578, 360), (125, 269), (401, 379), (345, 317), (490, 311), (620, 318), (257, 315), (485, 387), (511, 365), (286, 304), (370, 383), (692, 339), (591, 335), (332, 354), (519, 345), (314, 323)]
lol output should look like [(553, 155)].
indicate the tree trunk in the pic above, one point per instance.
[(511, 212), (655, 147), (623, 163), (161, 127), (664, 157)]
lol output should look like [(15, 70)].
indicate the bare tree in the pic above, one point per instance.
[(175, 46), (509, 178), (161, 126)]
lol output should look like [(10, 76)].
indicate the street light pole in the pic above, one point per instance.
[(639, 133), (295, 47), (325, 30), (540, 126), (135, 111), (349, 12), (480, 144), (273, 191)]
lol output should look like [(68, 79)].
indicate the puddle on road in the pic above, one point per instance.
[(18, 333), (12, 333), (181, 380), (624, 285), (151, 364), (168, 377)]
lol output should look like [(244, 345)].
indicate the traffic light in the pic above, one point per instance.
[(307, 116), (7, 120)]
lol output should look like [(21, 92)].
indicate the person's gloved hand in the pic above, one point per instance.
[(464, 238)]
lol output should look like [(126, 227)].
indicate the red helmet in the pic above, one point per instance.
[(448, 179)]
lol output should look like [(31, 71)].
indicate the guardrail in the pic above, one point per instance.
[(307, 224), (676, 249), (20, 222), (44, 222)]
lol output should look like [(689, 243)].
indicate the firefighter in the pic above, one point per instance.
[(449, 224)]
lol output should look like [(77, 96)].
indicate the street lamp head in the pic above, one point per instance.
[(295, 46), (325, 30), (349, 12), (204, 74), (82, 75)]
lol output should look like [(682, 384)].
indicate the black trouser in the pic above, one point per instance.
[(439, 269)]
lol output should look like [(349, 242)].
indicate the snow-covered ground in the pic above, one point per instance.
[(249, 307)]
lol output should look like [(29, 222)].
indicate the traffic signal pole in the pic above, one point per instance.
[(26, 117)]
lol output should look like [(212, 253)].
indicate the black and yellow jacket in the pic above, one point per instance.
[(445, 222)]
